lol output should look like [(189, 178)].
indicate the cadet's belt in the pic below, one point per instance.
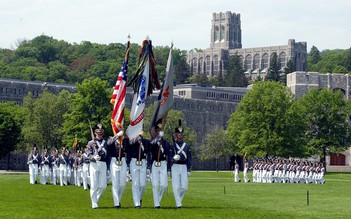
[(161, 159), (180, 162)]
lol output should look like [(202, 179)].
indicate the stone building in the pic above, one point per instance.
[(15, 90), (226, 41), (300, 82)]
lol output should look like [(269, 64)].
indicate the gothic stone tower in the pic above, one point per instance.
[(226, 30)]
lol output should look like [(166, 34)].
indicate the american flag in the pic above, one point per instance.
[(118, 96)]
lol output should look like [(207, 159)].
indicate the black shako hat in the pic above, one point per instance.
[(179, 129)]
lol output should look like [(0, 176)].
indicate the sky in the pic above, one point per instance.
[(187, 23)]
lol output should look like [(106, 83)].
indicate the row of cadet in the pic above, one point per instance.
[(115, 158), (282, 171)]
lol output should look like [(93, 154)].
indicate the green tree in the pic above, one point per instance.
[(199, 79), (326, 115), (10, 128), (216, 146), (264, 123), (315, 55), (235, 76), (44, 118), (90, 103), (274, 69)]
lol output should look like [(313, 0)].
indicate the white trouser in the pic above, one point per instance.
[(55, 174), (179, 182), (138, 179), (236, 176), (33, 173), (85, 175), (45, 173), (63, 174), (246, 178), (98, 180), (159, 181), (119, 179), (79, 176)]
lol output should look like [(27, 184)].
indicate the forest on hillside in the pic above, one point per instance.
[(44, 58)]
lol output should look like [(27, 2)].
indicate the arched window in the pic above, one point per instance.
[(248, 60), (241, 60), (195, 66), (265, 61), (216, 34), (282, 59), (208, 65), (201, 61), (222, 33), (215, 65), (256, 62)]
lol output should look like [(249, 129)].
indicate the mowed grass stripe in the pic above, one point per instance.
[(210, 195)]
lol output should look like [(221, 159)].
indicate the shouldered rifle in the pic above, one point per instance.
[(96, 152)]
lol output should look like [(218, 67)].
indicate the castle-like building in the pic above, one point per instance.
[(226, 41)]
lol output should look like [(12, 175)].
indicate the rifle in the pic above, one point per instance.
[(176, 156), (96, 152)]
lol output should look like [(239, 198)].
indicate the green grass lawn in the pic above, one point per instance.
[(210, 195)]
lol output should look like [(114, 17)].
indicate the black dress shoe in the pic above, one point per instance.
[(118, 206), (137, 206), (157, 207), (141, 202), (179, 206)]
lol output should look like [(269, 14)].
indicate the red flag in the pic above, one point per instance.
[(118, 96)]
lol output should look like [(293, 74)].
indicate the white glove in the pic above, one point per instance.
[(189, 174), (97, 157), (119, 134), (161, 134)]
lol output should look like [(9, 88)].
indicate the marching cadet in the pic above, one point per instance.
[(159, 149), (98, 155), (78, 166), (70, 168), (63, 160), (180, 158), (33, 161), (246, 168), (138, 154), (55, 167), (85, 170), (45, 167), (236, 172), (118, 166)]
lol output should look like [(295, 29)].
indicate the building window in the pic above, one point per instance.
[(256, 62), (195, 65), (215, 65), (208, 65), (282, 58), (265, 60), (182, 93), (248, 62), (222, 33), (216, 34)]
